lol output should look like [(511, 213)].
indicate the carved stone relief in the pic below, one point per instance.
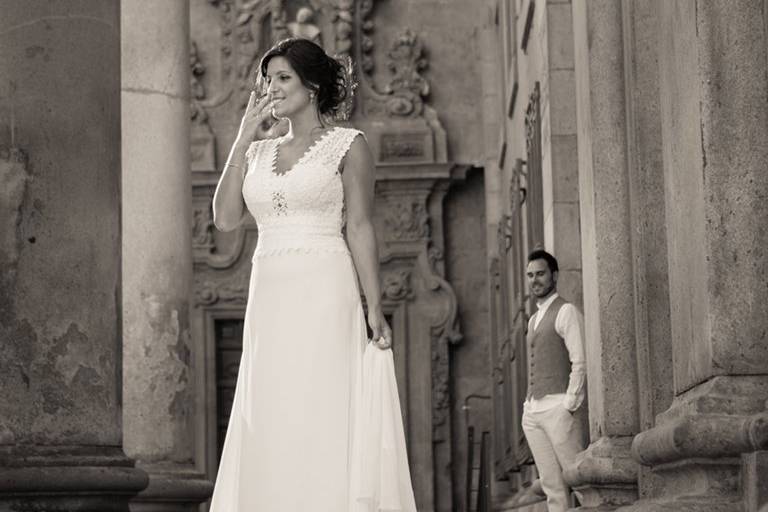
[(203, 242), (364, 29), (213, 289), (413, 132), (406, 61), (396, 285), (250, 27), (405, 218), (404, 94), (445, 332), (202, 146)]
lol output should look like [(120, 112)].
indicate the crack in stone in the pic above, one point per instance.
[(56, 18), (150, 92)]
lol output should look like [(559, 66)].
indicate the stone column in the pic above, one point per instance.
[(605, 474), (713, 61), (60, 283), (648, 229), (157, 254)]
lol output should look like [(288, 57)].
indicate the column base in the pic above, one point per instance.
[(604, 475), (696, 446), (172, 488), (67, 479)]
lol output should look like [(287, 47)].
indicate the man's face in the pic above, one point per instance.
[(541, 280)]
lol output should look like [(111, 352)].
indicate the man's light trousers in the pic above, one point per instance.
[(555, 436)]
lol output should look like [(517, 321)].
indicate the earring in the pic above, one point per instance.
[(311, 96)]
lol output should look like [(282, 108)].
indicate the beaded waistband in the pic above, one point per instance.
[(275, 242)]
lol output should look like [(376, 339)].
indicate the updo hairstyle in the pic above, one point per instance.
[(317, 71)]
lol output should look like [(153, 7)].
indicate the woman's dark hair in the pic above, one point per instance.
[(317, 71), (541, 254)]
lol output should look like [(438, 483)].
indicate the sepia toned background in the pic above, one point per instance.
[(627, 137)]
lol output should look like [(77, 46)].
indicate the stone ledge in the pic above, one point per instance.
[(29, 471), (177, 486), (18, 481), (701, 436), (723, 417)]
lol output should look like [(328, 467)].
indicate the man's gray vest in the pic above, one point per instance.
[(549, 366)]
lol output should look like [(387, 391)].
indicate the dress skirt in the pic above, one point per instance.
[(288, 442), (298, 437)]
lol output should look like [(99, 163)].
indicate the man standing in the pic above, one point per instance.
[(556, 380)]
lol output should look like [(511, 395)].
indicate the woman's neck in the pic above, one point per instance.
[(305, 124)]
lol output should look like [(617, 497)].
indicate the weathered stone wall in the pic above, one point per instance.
[(60, 272), (706, 103), (60, 312), (714, 119)]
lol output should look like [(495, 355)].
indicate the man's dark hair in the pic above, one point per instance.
[(541, 254)]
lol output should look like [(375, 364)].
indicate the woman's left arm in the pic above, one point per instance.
[(359, 178)]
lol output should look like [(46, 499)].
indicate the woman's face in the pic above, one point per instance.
[(284, 85)]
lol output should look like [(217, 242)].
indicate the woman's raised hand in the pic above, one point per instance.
[(258, 122)]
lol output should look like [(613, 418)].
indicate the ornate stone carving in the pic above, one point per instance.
[(404, 95), (344, 27), (406, 218), (226, 13), (203, 241), (303, 25), (198, 115), (408, 87), (231, 290), (365, 41), (242, 35), (279, 20), (397, 285), (445, 332), (202, 146), (532, 122), (248, 27)]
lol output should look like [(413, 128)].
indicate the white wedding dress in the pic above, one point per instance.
[(315, 424)]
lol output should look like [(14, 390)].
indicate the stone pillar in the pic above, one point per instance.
[(157, 254), (60, 283), (648, 230), (713, 61), (605, 474)]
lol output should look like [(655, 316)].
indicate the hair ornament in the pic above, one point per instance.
[(349, 83)]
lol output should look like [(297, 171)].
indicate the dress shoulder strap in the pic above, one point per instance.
[(256, 151), (338, 143)]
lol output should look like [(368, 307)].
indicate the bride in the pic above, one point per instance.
[(315, 423)]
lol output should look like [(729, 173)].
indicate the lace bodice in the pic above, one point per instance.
[(302, 209)]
